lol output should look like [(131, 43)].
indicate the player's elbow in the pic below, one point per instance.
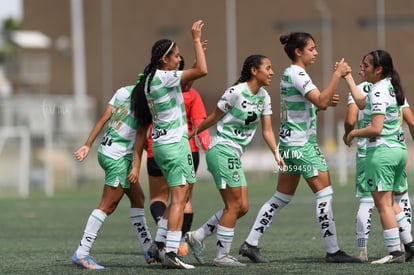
[(203, 72)]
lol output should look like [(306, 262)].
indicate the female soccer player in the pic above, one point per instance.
[(119, 154), (355, 117), (195, 113), (300, 100), (238, 114), (386, 150), (159, 100)]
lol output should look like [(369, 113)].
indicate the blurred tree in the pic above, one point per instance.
[(8, 49)]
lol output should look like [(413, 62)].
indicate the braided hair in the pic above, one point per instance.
[(139, 103), (381, 58), (251, 61), (294, 40)]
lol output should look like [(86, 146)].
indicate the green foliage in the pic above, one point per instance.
[(39, 234), (8, 50)]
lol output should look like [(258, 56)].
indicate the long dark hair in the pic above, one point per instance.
[(381, 58), (139, 103), (294, 40), (251, 61)]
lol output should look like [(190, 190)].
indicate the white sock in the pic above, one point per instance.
[(405, 204), (93, 225), (324, 217), (209, 227), (224, 239), (162, 230), (173, 241), (138, 221), (404, 228), (265, 216), (363, 221), (392, 239)]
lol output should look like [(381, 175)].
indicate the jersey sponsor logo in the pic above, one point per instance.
[(376, 107), (106, 141), (240, 133), (301, 73), (253, 105), (377, 94), (283, 133), (306, 83), (157, 133), (251, 117)]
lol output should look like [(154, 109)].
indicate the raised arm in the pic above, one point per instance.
[(323, 99), (356, 93), (200, 66)]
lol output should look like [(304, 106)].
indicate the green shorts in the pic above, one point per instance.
[(116, 171), (225, 166), (305, 160), (386, 170), (360, 178), (175, 161)]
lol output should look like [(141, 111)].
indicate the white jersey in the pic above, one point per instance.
[(166, 103), (384, 102), (119, 138), (297, 114), (243, 111)]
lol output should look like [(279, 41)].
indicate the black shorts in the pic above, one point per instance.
[(154, 171)]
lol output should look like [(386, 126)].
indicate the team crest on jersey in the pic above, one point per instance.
[(236, 176), (260, 105)]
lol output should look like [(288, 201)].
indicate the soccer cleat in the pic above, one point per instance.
[(173, 261), (341, 257), (196, 246), (253, 253), (362, 254), (183, 249), (148, 258), (394, 257), (227, 260), (87, 262), (154, 252), (409, 251)]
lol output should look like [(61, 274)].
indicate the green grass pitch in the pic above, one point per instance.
[(38, 235)]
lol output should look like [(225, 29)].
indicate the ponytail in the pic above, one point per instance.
[(139, 103), (381, 58)]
